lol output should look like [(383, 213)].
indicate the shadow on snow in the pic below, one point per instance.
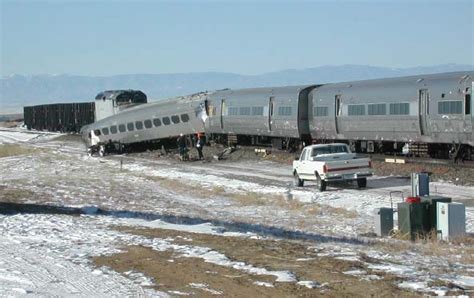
[(7, 208)]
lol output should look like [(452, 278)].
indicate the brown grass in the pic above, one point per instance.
[(429, 245), (14, 195), (15, 149)]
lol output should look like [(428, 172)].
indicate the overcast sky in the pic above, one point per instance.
[(245, 37)]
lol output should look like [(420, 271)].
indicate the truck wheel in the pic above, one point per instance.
[(361, 182), (320, 184), (297, 181)]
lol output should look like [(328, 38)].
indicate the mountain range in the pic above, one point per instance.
[(22, 90)]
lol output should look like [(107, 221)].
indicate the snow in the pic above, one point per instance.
[(49, 254), (14, 135)]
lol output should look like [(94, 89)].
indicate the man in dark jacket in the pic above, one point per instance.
[(200, 144), (182, 147)]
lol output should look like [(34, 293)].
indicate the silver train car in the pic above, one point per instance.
[(280, 112), (429, 109), (426, 109), (147, 122)]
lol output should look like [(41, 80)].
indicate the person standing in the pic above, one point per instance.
[(182, 146), (200, 144)]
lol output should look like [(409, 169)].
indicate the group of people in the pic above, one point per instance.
[(183, 149)]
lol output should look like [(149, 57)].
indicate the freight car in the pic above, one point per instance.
[(373, 115), (63, 117)]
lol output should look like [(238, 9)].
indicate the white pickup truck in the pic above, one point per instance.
[(324, 163)]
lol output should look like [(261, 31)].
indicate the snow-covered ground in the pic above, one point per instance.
[(49, 254)]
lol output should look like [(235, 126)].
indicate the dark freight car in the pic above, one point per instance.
[(63, 117)]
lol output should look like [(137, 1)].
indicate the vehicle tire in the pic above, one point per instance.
[(362, 182), (297, 181), (320, 184)]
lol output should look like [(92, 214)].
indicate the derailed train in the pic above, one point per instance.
[(372, 115)]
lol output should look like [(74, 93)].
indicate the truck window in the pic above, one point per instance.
[(302, 156), (330, 150)]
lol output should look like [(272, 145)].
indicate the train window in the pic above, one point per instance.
[(244, 111), (233, 111), (175, 119), (105, 130), (320, 111), (139, 125), (97, 132), (399, 109), (257, 111), (122, 127), (356, 110), (284, 111), (166, 121), (156, 122), (130, 126), (184, 117), (147, 123), (377, 109), (450, 107), (113, 129)]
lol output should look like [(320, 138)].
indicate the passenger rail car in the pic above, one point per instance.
[(147, 122), (432, 109), (276, 113)]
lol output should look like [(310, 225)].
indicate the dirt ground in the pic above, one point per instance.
[(455, 174), (174, 273)]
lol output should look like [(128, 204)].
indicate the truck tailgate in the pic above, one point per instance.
[(347, 166)]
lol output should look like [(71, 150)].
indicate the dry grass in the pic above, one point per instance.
[(14, 195), (249, 199), (429, 245), (15, 149)]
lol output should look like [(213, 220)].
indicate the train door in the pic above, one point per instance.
[(468, 110), (423, 111), (303, 114), (222, 113), (270, 112), (337, 111)]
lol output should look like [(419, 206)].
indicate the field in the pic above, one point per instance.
[(148, 224)]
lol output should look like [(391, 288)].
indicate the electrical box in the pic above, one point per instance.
[(383, 220), (451, 220), (432, 201), (420, 184), (412, 219)]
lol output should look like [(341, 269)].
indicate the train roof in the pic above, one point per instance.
[(283, 89), (459, 75)]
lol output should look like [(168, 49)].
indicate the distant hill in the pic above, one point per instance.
[(18, 90)]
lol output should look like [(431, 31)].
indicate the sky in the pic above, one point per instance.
[(102, 38)]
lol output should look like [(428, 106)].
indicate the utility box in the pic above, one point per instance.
[(383, 220), (451, 220), (420, 184), (432, 201), (412, 219)]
